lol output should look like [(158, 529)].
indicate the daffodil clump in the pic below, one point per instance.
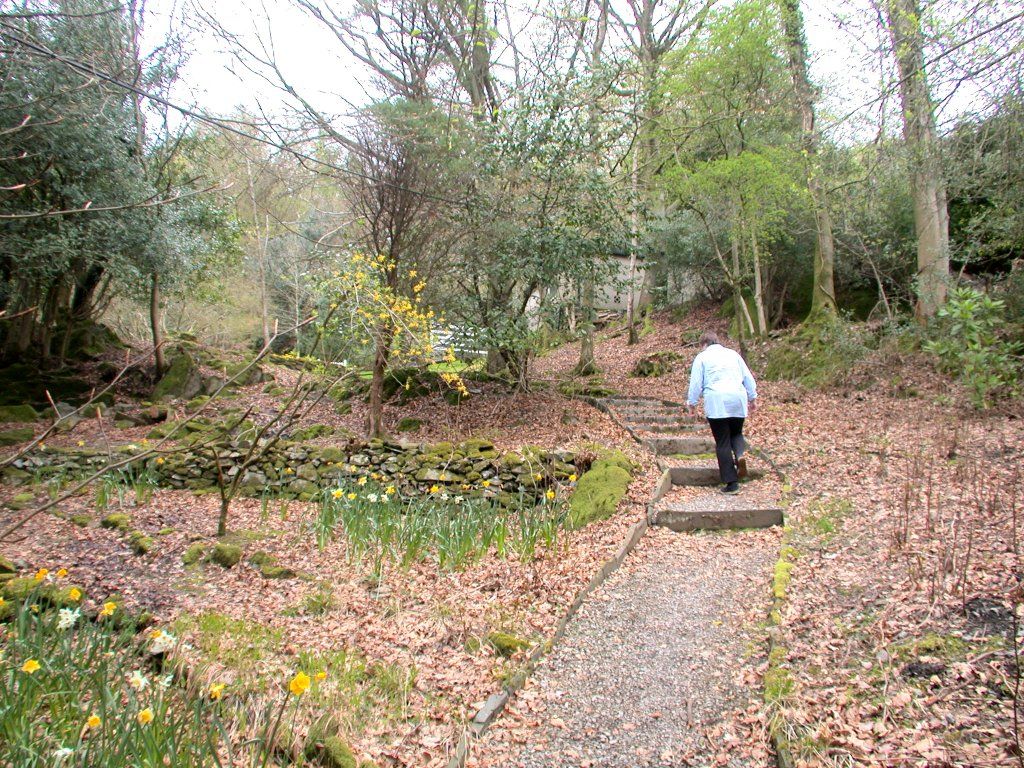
[(455, 525), (76, 691)]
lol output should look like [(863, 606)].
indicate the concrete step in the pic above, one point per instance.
[(688, 519), (671, 446)]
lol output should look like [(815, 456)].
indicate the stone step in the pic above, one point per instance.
[(686, 446), (703, 475), (669, 418), (617, 401), (684, 519), (672, 429)]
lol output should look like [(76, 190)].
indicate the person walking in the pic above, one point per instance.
[(720, 376)]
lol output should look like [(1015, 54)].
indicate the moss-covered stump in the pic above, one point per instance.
[(194, 553), (600, 489), (226, 555), (117, 521), (140, 542), (656, 364), (269, 568)]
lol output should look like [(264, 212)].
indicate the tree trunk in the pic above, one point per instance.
[(154, 325), (375, 417), (587, 365), (762, 321), (823, 291), (634, 245), (931, 214)]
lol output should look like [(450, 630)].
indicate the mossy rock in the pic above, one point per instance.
[(22, 412), (597, 494), (194, 553), (246, 374), (140, 542), (21, 501), (507, 644), (408, 424), (15, 436), (656, 364), (183, 379), (197, 402), (117, 521), (166, 531), (610, 457), (226, 555), (6, 566), (81, 519), (330, 751), (312, 432)]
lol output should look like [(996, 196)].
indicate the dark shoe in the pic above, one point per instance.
[(731, 488), (741, 468)]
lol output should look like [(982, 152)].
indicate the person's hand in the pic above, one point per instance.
[(752, 407), (692, 410)]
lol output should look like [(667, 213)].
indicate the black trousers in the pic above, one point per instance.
[(728, 446)]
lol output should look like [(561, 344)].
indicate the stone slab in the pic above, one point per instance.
[(685, 519), (671, 446), (695, 476), (673, 429)]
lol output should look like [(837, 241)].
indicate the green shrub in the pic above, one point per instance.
[(968, 339)]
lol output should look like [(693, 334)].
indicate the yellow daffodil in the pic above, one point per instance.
[(435, 488), (299, 684), (160, 459), (361, 481), (62, 573), (81, 443), (216, 691), (486, 483), (108, 608), (289, 471), (572, 478), (145, 717), (390, 490), (321, 676), (337, 493), (538, 476), (30, 666), (34, 608), (42, 573), (74, 594), (550, 494), (2, 601), (350, 496), (94, 721)]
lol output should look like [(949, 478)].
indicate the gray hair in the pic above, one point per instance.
[(708, 338)]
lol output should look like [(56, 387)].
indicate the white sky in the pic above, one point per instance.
[(215, 81)]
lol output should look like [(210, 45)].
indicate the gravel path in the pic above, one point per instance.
[(655, 660)]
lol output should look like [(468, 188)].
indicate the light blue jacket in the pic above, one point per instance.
[(721, 376)]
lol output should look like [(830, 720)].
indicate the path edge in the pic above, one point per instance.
[(497, 702)]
